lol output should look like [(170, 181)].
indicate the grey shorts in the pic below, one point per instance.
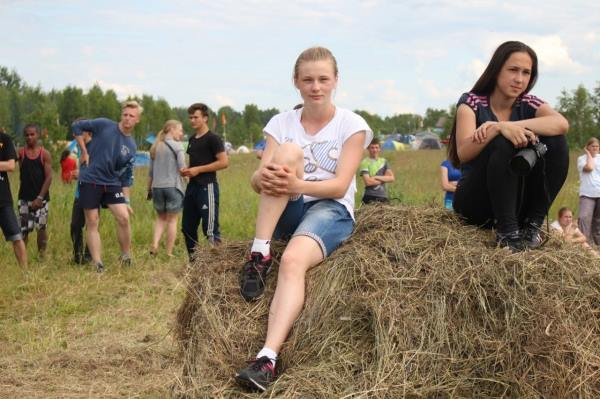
[(167, 200)]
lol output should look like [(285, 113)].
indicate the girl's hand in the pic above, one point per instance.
[(278, 180), (517, 135), (481, 133), (588, 153), (270, 182)]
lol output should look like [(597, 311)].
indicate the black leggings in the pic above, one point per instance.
[(490, 194)]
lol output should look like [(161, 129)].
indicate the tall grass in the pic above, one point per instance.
[(66, 331)]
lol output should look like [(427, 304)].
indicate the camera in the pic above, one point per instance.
[(524, 160)]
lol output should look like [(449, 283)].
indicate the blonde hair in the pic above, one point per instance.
[(315, 54), (132, 104), (160, 137), (591, 141)]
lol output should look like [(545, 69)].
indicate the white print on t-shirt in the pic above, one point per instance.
[(323, 155), (321, 150), (124, 150)]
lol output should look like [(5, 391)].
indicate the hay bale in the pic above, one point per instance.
[(415, 304)]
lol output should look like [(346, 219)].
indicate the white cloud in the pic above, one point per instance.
[(553, 55), (122, 90), (88, 51), (48, 52), (475, 68), (383, 97), (434, 92), (222, 100)]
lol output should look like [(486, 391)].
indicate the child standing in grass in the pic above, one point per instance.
[(375, 172)]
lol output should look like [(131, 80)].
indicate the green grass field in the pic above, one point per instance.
[(67, 332)]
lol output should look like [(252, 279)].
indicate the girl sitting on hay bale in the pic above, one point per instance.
[(494, 122), (306, 182)]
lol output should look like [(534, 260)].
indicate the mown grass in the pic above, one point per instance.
[(67, 332)]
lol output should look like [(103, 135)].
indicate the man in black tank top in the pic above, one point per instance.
[(35, 179)]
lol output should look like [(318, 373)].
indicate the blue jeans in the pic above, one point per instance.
[(326, 221)]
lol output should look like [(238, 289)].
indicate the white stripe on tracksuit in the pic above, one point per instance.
[(211, 211)]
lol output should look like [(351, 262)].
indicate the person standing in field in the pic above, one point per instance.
[(8, 219), (201, 202), (81, 252), (103, 160), (306, 182), (588, 166), (35, 179), (375, 172), (165, 184)]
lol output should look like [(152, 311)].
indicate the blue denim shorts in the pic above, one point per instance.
[(326, 221), (168, 199)]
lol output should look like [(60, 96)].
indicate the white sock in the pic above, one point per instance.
[(262, 246), (268, 353)]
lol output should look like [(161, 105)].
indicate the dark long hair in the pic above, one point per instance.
[(486, 83), (64, 155)]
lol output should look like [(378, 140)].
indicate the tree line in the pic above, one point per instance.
[(54, 111)]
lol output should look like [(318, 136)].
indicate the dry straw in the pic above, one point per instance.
[(415, 304)]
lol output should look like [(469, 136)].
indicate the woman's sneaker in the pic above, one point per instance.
[(512, 241), (259, 374), (254, 275), (531, 235)]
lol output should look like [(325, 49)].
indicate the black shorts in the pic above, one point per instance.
[(92, 196), (10, 224)]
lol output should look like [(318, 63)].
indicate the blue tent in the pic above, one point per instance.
[(72, 145), (260, 145), (151, 138), (142, 158)]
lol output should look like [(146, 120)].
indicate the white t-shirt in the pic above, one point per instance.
[(556, 226), (590, 181), (321, 151)]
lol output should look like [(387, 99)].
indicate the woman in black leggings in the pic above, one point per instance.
[(494, 121)]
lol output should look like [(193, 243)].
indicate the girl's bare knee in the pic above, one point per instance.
[(288, 154)]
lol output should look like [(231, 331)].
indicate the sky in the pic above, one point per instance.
[(393, 56)]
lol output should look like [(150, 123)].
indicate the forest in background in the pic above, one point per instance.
[(55, 110)]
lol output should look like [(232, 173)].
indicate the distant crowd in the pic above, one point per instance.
[(507, 161)]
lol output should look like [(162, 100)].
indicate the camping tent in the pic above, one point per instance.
[(430, 143), (150, 139), (243, 150), (426, 141), (392, 145)]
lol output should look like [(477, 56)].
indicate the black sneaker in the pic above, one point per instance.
[(512, 241), (99, 267), (258, 375), (254, 275), (531, 235)]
